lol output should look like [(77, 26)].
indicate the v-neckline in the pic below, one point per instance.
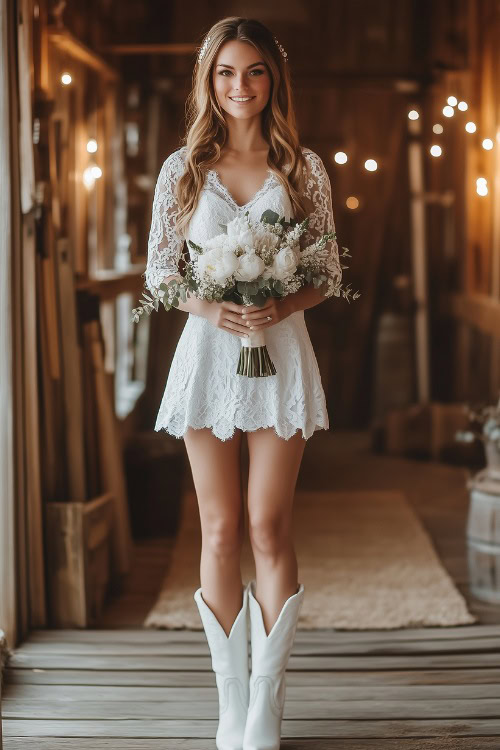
[(230, 197)]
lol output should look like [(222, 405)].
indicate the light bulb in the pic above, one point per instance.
[(437, 128), (436, 150), (413, 114), (448, 111), (66, 79), (487, 144), (471, 127), (340, 157), (92, 146), (371, 165), (452, 101)]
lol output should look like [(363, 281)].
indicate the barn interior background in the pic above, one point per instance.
[(400, 100)]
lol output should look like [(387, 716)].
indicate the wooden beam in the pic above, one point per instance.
[(478, 310), (66, 42), (180, 48), (109, 283)]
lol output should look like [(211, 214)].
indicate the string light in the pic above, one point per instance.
[(448, 111), (487, 144), (436, 150), (471, 127), (463, 106), (452, 101), (437, 128), (340, 157), (413, 114), (371, 165), (92, 146), (66, 79)]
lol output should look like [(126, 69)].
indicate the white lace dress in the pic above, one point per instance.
[(203, 388)]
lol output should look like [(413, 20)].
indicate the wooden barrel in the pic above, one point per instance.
[(483, 537)]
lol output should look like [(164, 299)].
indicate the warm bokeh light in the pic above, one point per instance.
[(448, 111), (96, 171), (437, 128), (463, 106), (92, 146), (471, 127), (352, 202), (88, 178), (481, 181), (452, 101), (413, 114), (482, 189), (371, 165), (436, 150), (66, 79), (340, 157), (487, 144)]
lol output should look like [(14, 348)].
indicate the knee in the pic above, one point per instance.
[(223, 536), (268, 536)]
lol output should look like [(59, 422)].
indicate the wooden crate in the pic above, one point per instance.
[(78, 540)]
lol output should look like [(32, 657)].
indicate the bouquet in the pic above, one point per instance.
[(247, 263)]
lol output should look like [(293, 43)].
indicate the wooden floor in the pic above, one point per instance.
[(422, 688), (130, 688)]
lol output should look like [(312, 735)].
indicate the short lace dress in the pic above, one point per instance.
[(203, 388)]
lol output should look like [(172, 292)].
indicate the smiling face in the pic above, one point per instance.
[(239, 72)]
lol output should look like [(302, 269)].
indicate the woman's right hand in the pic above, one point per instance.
[(226, 315)]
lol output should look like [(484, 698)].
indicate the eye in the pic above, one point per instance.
[(259, 71)]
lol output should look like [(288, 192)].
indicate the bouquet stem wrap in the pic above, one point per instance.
[(255, 361)]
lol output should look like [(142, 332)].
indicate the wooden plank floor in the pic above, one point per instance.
[(426, 688), (139, 689)]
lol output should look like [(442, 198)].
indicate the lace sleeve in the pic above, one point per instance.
[(164, 244), (321, 221)]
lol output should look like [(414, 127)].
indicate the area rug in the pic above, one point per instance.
[(365, 560)]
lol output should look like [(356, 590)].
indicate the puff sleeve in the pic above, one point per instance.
[(318, 190), (164, 243)]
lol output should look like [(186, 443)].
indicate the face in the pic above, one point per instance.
[(240, 72)]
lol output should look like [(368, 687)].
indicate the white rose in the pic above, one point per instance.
[(285, 263), (240, 230), (250, 267), (207, 262)]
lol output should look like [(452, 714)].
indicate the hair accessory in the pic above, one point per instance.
[(281, 49), (204, 48)]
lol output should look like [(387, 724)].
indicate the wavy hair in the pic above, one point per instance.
[(206, 127)]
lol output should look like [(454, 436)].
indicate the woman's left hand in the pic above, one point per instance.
[(274, 310)]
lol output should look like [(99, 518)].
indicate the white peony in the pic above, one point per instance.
[(218, 264), (239, 229), (250, 267), (285, 263)]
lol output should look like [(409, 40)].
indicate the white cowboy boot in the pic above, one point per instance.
[(230, 664), (267, 681)]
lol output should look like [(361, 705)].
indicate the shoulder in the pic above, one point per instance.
[(314, 162), (173, 166)]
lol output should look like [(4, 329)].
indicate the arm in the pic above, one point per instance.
[(165, 244), (321, 221)]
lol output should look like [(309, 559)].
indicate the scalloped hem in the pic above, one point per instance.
[(179, 436)]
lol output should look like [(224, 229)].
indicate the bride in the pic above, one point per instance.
[(242, 153)]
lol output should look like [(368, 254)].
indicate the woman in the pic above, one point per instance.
[(242, 154)]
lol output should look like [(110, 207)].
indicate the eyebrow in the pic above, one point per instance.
[(223, 65)]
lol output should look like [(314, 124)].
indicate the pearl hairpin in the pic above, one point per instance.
[(281, 49), (204, 48)]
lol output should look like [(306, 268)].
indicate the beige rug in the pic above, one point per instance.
[(364, 558)]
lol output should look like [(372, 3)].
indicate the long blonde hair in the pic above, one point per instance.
[(206, 127)]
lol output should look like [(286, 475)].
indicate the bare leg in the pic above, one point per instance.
[(215, 465), (273, 471)]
